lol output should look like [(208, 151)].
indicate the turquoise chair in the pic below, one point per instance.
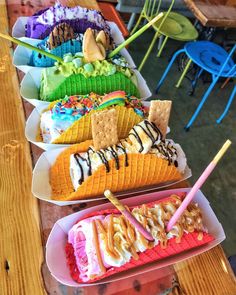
[(172, 25), (209, 57)]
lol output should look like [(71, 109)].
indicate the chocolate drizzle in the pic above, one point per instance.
[(115, 156), (78, 157), (168, 151), (102, 155), (124, 151), (148, 131), (104, 160)]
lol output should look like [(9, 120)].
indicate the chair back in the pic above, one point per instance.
[(151, 8)]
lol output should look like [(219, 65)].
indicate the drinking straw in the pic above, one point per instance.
[(197, 185), (29, 46), (134, 36), (108, 194)]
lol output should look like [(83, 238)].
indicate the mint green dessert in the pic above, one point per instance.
[(74, 76)]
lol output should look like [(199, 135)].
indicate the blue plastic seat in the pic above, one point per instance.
[(209, 57)]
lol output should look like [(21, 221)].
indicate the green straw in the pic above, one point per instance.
[(24, 44), (134, 36)]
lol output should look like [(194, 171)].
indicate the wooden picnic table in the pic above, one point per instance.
[(25, 222), (214, 13)]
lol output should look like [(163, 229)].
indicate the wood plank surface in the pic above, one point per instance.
[(214, 13), (21, 252), (208, 273), (188, 277)]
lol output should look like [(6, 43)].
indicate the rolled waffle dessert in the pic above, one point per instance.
[(105, 243), (87, 72), (68, 120), (144, 158), (41, 24), (63, 40)]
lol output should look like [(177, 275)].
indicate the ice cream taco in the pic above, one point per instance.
[(142, 159), (68, 120), (104, 243), (42, 23)]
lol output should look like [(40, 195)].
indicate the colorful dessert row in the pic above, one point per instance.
[(122, 146)]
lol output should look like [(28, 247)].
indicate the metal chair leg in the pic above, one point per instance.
[(168, 68), (218, 121), (205, 96), (149, 51), (162, 46), (137, 24), (160, 41), (194, 82), (183, 74), (131, 21)]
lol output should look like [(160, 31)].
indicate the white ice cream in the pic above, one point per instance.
[(50, 128)]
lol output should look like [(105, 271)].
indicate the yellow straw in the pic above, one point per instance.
[(222, 151)]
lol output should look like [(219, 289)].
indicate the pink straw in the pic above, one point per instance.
[(197, 185)]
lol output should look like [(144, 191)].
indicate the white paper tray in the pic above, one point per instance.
[(41, 187), (32, 127), (21, 56), (55, 247), (30, 84), (18, 30)]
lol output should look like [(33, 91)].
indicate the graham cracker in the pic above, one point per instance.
[(159, 114), (104, 129)]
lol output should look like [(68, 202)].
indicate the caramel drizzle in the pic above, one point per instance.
[(97, 248), (190, 221)]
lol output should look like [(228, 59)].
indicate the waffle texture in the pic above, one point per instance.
[(39, 60), (142, 170), (78, 84), (188, 241), (80, 130)]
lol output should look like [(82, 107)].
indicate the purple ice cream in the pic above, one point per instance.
[(40, 25)]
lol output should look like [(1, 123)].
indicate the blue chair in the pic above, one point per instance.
[(211, 58)]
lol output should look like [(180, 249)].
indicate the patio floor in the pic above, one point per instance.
[(205, 137)]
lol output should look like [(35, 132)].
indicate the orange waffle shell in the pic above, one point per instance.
[(81, 130), (188, 241), (142, 170)]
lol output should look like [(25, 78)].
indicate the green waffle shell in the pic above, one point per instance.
[(78, 84)]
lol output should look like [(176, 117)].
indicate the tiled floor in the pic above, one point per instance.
[(205, 137)]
